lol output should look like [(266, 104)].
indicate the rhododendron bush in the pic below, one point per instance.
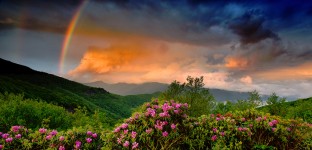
[(168, 126)]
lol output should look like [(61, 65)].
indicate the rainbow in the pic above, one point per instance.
[(68, 35)]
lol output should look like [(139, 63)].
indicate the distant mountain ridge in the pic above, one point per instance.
[(19, 79), (152, 87)]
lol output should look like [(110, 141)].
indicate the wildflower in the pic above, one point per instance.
[(125, 131), (135, 145), (177, 106), (5, 135), (243, 119), (53, 132), (164, 134), (62, 138), (48, 137), (124, 126), (9, 140), (117, 129), (94, 135), (18, 136), (222, 133), (15, 128), (275, 122), (126, 144), (42, 130), (119, 140), (61, 148), (77, 144), (89, 140), (214, 129), (89, 133), (133, 134), (173, 126), (148, 131), (214, 137)]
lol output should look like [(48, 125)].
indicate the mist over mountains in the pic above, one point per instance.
[(152, 87)]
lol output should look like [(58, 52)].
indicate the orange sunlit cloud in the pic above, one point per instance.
[(302, 71)]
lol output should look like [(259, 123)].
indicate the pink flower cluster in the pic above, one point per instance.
[(42, 130), (160, 124), (150, 112), (16, 128), (273, 122)]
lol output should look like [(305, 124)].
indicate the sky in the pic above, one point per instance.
[(238, 45)]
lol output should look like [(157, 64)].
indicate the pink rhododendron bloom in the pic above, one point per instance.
[(89, 140), (185, 105), (214, 129), (271, 124), (166, 107), (77, 144), (5, 135), (150, 112), (61, 148), (222, 133), (212, 115), (126, 144), (0, 133), (214, 137), (147, 104), (42, 130), (119, 140), (117, 129), (9, 140), (148, 131), (89, 133), (258, 119), (218, 119), (245, 129), (53, 132), (275, 122), (288, 129), (240, 129), (62, 138), (15, 128), (243, 119), (164, 114), (173, 126), (250, 125), (1, 146), (264, 118), (133, 134), (18, 136), (164, 134), (48, 137), (176, 111), (135, 145), (125, 131), (155, 106), (94, 135), (273, 129), (177, 106), (124, 126)]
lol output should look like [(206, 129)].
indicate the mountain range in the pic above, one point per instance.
[(153, 87), (19, 79)]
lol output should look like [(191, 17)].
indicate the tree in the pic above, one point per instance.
[(276, 105), (254, 99), (193, 92)]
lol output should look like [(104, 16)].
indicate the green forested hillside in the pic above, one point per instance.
[(32, 84)]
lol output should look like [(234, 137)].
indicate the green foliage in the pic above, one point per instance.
[(299, 109), (193, 93), (14, 109)]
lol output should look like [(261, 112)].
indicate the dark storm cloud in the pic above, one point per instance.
[(51, 16), (250, 28)]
